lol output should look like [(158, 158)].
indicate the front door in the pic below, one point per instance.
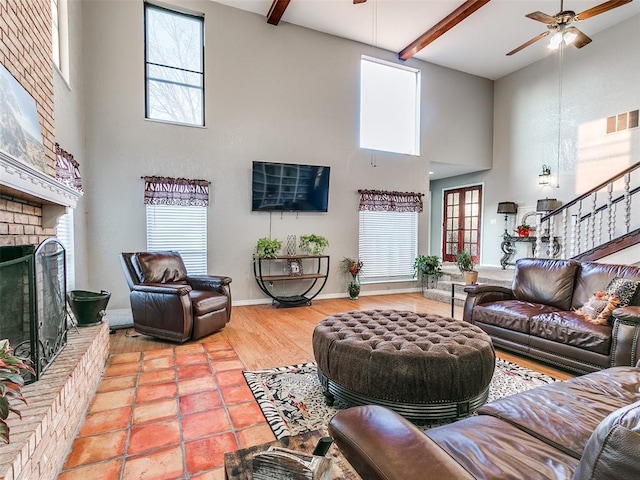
[(461, 223)]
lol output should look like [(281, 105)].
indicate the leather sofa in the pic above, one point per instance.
[(537, 316), (169, 304), (584, 428)]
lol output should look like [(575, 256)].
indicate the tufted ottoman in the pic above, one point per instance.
[(420, 365)]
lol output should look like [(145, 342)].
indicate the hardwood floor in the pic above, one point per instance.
[(264, 336)]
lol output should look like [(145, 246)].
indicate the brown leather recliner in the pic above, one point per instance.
[(167, 303)]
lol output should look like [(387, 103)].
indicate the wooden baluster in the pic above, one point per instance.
[(592, 222), (538, 236), (627, 202), (565, 226), (578, 228), (610, 210), (600, 221)]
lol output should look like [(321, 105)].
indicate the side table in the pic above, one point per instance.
[(238, 465)]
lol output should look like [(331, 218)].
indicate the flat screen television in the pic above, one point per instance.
[(289, 187)]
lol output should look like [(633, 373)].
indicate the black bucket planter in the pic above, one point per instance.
[(88, 307)]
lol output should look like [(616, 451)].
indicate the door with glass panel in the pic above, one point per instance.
[(461, 223)]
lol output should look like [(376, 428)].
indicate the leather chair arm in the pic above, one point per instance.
[(627, 314), (381, 445), (479, 294), (208, 282), (162, 288), (480, 289)]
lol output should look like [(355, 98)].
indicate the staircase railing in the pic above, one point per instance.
[(598, 216)]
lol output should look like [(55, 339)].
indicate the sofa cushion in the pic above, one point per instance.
[(572, 329), (545, 281), (510, 314), (564, 414), (207, 301), (160, 267), (594, 276)]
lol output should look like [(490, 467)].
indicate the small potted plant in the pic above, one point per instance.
[(313, 244), (352, 266), (523, 230), (428, 268), (268, 248), (11, 383), (465, 264)]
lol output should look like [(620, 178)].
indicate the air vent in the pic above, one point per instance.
[(622, 121)]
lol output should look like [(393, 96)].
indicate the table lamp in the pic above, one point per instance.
[(508, 208)]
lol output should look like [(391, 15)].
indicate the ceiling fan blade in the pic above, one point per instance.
[(356, 2), (541, 17), (603, 7), (526, 44), (581, 39)]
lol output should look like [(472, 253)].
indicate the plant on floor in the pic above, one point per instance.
[(313, 244), (428, 267), (268, 248), (11, 383)]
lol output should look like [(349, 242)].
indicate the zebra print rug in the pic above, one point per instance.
[(292, 402)]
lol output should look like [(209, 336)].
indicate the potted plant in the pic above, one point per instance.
[(352, 266), (523, 230), (465, 264), (11, 383), (429, 270), (313, 244), (268, 248)]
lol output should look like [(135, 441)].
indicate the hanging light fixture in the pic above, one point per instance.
[(545, 177), (563, 34)]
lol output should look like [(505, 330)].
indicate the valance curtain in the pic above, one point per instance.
[(384, 201), (67, 169), (176, 191)]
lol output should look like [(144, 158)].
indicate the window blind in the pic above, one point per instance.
[(64, 233)]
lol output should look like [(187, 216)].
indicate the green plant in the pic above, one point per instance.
[(11, 383), (268, 248), (352, 266), (313, 244), (428, 265), (464, 261)]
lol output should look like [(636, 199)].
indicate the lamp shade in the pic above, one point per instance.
[(547, 205), (507, 207)]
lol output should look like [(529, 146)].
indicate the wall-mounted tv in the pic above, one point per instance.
[(289, 187)]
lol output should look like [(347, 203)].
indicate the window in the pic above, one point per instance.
[(181, 228), (64, 233), (388, 245), (174, 58), (389, 107), (59, 29)]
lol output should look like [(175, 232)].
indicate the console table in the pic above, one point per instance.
[(508, 247), (308, 273)]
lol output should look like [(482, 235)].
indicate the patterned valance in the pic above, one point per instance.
[(67, 169), (383, 201), (176, 191)]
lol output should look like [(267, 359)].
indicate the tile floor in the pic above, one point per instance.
[(167, 414)]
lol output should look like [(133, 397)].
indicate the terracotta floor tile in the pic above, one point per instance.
[(160, 465), (111, 400), (154, 435), (195, 385), (157, 376), (112, 384), (124, 357), (222, 365), (255, 435), (230, 377), (96, 471), (86, 450), (157, 353), (150, 393), (200, 402), (191, 358), (245, 414), (157, 364), (215, 474), (148, 412), (206, 423), (118, 369), (223, 355), (189, 348), (192, 371), (237, 394), (216, 344), (105, 421), (208, 453)]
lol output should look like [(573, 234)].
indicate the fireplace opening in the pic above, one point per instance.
[(33, 313)]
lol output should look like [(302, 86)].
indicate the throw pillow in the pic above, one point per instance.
[(623, 288), (598, 308)]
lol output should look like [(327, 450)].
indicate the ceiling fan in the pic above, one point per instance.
[(559, 25)]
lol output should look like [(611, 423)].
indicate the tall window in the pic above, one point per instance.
[(177, 219), (174, 57), (388, 235), (59, 36), (389, 107)]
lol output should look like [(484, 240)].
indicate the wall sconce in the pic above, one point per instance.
[(545, 177), (507, 208)]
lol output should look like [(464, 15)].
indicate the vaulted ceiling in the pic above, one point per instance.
[(472, 36)]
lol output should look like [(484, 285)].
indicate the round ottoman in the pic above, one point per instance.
[(420, 365)]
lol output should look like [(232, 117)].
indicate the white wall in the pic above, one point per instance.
[(284, 94), (599, 80)]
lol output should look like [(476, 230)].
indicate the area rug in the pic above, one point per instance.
[(292, 402)]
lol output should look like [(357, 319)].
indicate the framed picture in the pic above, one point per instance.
[(294, 267)]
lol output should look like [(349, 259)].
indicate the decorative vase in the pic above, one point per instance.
[(291, 245), (354, 288), (471, 277)]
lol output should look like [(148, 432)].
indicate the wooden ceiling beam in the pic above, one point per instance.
[(276, 11), (442, 27)]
